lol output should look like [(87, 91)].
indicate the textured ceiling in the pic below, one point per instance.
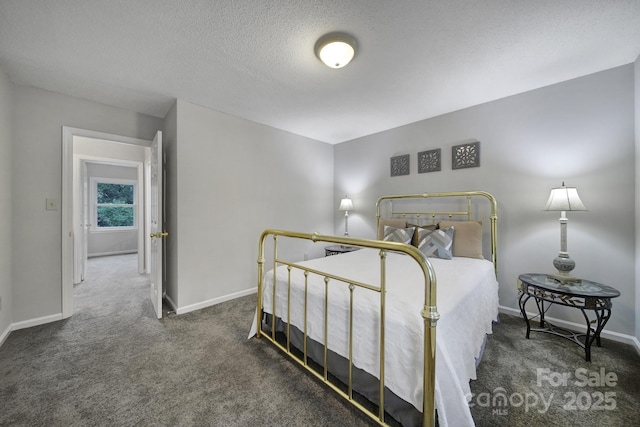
[(255, 59)]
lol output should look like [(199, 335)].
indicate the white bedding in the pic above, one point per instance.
[(467, 300)]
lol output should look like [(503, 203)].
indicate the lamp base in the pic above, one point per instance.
[(564, 265)]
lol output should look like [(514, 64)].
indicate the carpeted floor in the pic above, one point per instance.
[(545, 381), (112, 363)]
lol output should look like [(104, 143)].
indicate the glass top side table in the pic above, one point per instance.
[(586, 296)]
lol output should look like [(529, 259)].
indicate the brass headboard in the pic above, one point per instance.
[(469, 195)]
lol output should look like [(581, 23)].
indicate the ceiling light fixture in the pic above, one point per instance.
[(336, 49)]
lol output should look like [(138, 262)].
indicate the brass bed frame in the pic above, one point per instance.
[(429, 312)]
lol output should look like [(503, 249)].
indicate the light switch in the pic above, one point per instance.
[(52, 204)]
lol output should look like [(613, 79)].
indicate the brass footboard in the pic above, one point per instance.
[(429, 313)]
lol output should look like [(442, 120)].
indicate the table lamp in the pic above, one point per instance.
[(564, 199), (346, 205)]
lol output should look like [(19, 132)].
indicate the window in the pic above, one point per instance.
[(115, 204)]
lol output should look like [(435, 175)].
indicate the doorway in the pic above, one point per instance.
[(100, 226), (82, 147)]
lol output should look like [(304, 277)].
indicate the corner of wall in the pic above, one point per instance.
[(170, 140), (6, 205)]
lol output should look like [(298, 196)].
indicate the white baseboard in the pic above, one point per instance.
[(209, 303), (615, 336), (35, 322), (5, 334), (172, 304), (178, 310), (27, 324)]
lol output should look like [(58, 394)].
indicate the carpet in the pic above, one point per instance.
[(114, 364)]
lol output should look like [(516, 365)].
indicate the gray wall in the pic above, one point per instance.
[(37, 128), (238, 177), (234, 179), (105, 242), (580, 131), (6, 96)]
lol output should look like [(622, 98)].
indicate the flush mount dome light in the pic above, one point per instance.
[(336, 49)]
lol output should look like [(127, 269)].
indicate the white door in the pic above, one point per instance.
[(157, 232), (86, 222)]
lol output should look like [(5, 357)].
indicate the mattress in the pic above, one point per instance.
[(467, 301)]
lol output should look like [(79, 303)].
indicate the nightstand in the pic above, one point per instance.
[(339, 249), (584, 295)]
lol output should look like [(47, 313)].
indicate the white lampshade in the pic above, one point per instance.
[(346, 204), (564, 199), (336, 50)]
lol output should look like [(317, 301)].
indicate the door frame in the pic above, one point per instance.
[(68, 133)]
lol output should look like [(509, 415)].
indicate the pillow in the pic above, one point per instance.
[(400, 235), (436, 243), (467, 241), (414, 242), (392, 222)]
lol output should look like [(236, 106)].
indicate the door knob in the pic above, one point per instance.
[(159, 234)]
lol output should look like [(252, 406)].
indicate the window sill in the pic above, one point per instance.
[(112, 230)]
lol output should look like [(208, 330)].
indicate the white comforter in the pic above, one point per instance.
[(467, 300)]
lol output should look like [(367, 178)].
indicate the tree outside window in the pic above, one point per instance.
[(115, 205)]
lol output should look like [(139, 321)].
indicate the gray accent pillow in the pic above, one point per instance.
[(414, 242), (391, 222), (400, 235), (436, 243)]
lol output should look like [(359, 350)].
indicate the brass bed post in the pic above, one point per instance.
[(377, 218), (306, 297), (260, 283), (350, 389), (288, 308), (273, 299), (326, 328), (430, 315), (494, 236), (494, 227), (383, 280)]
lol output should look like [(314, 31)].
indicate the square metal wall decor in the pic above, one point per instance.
[(465, 155), (429, 161), (400, 165)]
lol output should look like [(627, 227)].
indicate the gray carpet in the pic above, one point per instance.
[(113, 363), (548, 382)]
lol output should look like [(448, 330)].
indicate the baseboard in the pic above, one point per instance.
[(5, 334), (35, 322), (170, 302), (178, 310), (614, 336), (209, 303)]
